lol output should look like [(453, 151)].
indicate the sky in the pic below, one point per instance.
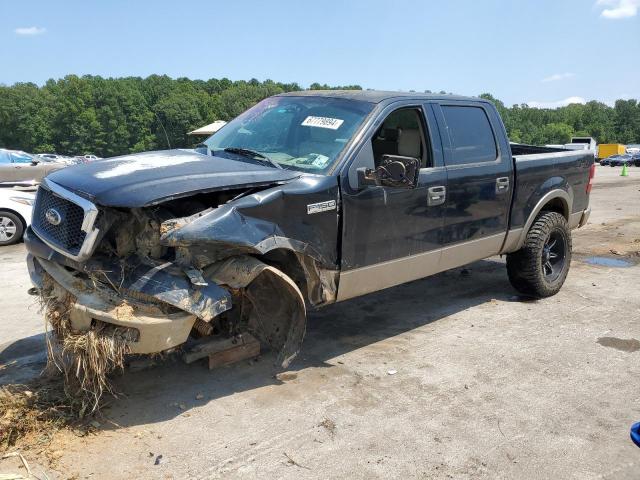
[(540, 52)]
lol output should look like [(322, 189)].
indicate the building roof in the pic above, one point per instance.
[(209, 129), (373, 96)]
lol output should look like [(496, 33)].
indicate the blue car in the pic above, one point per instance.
[(620, 160), (607, 161)]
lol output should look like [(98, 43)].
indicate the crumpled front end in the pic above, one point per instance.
[(124, 267), (157, 306)]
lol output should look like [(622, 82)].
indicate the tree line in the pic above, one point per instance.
[(113, 116), (541, 126)]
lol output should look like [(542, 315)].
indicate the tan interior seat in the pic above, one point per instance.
[(409, 143)]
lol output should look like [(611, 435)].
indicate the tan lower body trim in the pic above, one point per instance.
[(574, 220), (372, 278), (585, 217), (512, 242)]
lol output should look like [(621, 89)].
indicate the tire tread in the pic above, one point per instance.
[(524, 267)]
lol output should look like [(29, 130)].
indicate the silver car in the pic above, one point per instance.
[(21, 167)]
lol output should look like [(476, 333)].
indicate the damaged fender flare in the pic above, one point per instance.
[(277, 308)]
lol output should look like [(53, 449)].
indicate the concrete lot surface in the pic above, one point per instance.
[(454, 376)]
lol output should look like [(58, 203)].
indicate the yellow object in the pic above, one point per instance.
[(624, 172), (607, 149)]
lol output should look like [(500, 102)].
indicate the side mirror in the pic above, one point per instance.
[(394, 171), (34, 162)]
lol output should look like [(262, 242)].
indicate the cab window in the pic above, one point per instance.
[(471, 135)]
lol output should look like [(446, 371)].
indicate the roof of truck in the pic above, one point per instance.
[(374, 96)]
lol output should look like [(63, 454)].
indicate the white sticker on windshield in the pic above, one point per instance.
[(323, 122), (319, 161)]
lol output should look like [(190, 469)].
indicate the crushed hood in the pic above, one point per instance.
[(149, 178)]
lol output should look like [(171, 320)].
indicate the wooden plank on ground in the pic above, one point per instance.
[(242, 351), (212, 345)]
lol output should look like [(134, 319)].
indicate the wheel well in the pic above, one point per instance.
[(24, 223), (287, 262), (557, 205)]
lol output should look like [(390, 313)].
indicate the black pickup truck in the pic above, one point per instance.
[(306, 199)]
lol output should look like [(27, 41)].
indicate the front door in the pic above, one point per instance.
[(7, 172), (392, 235), (25, 169)]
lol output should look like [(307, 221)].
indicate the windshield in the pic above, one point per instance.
[(302, 133)]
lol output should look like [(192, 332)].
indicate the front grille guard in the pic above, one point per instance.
[(90, 216)]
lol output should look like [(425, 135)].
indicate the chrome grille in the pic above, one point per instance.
[(67, 235), (65, 221)]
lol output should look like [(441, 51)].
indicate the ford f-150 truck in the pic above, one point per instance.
[(306, 199)]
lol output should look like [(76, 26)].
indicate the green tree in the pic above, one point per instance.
[(113, 116), (558, 133)]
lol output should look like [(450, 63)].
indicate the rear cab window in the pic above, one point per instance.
[(470, 134)]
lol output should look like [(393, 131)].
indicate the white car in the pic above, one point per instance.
[(15, 214), (54, 157), (86, 158)]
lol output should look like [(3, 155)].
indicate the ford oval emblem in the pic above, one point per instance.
[(53, 216)]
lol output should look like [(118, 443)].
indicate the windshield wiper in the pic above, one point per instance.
[(245, 152)]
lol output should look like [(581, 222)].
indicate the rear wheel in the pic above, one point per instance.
[(540, 267), (11, 228)]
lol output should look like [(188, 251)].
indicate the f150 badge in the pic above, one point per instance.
[(321, 207)]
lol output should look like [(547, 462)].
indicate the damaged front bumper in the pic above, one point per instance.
[(163, 302), (158, 301)]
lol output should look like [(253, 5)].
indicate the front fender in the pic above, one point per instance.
[(277, 218), (228, 231)]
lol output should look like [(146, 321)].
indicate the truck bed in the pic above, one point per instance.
[(518, 149), (532, 165)]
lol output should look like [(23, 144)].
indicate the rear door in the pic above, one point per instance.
[(479, 181)]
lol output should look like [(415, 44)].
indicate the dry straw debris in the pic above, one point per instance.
[(33, 413), (87, 358), (74, 382)]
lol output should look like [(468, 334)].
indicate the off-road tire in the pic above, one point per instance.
[(526, 267), (17, 228)]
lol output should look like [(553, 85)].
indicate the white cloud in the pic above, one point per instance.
[(558, 76), (618, 8), (557, 104), (622, 96), (30, 31)]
